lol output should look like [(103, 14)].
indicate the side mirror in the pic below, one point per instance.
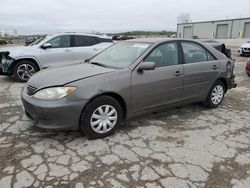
[(146, 66), (46, 45)]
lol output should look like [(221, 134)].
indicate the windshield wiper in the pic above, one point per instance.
[(98, 64)]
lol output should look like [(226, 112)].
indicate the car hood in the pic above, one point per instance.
[(18, 50), (64, 75), (246, 45)]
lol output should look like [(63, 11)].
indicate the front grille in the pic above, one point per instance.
[(247, 49), (31, 90)]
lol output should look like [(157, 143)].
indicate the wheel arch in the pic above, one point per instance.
[(116, 96), (224, 81), (22, 59)]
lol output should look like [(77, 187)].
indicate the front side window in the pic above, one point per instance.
[(80, 40), (164, 55), (60, 42), (195, 53), (121, 55)]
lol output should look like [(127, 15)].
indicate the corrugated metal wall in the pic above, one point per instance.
[(235, 28)]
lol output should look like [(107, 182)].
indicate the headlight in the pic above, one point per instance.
[(54, 93)]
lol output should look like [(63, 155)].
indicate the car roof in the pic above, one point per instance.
[(79, 33), (150, 40), (159, 40)]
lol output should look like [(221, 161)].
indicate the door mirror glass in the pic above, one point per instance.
[(146, 66), (46, 45)]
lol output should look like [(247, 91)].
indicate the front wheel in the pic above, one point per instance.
[(215, 95), (23, 70), (101, 117)]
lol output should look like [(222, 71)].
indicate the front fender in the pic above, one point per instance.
[(18, 58)]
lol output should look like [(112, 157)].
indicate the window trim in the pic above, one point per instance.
[(162, 43), (203, 47)]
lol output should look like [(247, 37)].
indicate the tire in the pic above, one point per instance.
[(215, 95), (23, 70), (92, 115)]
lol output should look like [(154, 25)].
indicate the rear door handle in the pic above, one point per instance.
[(177, 73), (95, 49), (215, 67), (67, 50)]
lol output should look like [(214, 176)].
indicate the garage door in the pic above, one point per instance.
[(187, 32), (222, 31), (247, 30)]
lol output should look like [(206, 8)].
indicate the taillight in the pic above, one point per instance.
[(230, 67)]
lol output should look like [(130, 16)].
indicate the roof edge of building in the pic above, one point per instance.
[(214, 21)]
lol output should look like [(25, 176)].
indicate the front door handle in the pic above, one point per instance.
[(215, 67), (177, 73)]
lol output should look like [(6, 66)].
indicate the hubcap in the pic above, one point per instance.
[(217, 94), (25, 71), (103, 119)]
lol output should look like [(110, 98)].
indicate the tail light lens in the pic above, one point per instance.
[(230, 68)]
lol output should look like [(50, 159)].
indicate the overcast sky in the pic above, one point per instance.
[(48, 16)]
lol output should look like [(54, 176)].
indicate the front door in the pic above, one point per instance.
[(159, 87), (60, 53)]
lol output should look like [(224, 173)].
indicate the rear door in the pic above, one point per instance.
[(159, 87), (200, 70), (58, 54), (85, 47)]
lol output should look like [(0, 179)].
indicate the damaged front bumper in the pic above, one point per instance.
[(5, 63)]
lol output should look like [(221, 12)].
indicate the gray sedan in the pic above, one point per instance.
[(127, 80)]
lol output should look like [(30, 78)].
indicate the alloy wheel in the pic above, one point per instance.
[(25, 71)]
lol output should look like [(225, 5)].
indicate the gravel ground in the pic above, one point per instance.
[(189, 146)]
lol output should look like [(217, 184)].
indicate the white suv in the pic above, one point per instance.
[(53, 50), (244, 49)]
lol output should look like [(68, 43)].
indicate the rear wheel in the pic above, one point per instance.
[(215, 95), (23, 70), (101, 117)]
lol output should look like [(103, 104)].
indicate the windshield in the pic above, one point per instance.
[(120, 55), (39, 41)]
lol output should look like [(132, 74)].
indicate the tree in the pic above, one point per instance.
[(184, 18)]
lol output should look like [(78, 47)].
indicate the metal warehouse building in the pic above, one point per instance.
[(220, 29)]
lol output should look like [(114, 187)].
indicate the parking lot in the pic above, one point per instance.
[(189, 146)]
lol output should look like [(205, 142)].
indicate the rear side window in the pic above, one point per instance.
[(103, 40), (210, 57), (195, 53), (80, 40)]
